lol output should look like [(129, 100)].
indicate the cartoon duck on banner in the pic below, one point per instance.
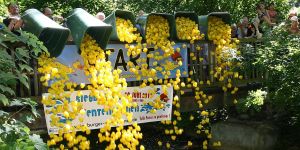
[(61, 117), (162, 100), (176, 57), (164, 97)]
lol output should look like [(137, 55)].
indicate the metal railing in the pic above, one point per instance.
[(201, 67)]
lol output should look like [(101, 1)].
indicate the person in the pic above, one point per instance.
[(100, 16), (140, 21), (292, 12), (294, 25), (242, 27), (48, 12), (272, 12), (263, 15), (234, 33), (253, 29), (13, 21), (141, 13), (250, 31)]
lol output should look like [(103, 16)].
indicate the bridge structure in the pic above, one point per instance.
[(252, 74)]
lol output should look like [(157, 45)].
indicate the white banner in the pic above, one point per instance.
[(95, 116)]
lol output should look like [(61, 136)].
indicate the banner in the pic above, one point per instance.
[(95, 116), (119, 59)]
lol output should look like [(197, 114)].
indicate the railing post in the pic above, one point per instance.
[(35, 78), (211, 49)]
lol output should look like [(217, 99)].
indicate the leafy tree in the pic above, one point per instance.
[(237, 8), (64, 7), (280, 56)]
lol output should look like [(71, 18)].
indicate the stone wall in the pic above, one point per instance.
[(242, 135)]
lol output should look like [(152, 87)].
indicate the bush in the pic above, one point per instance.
[(280, 55), (253, 102), (15, 55)]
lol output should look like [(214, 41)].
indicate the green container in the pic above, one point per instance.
[(81, 22), (52, 34), (203, 21), (186, 14), (142, 22), (111, 19)]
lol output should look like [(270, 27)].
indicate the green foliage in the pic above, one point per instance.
[(14, 134), (64, 7), (237, 8), (280, 57), (253, 101), (3, 9), (16, 53)]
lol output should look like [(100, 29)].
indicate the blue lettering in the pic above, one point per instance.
[(132, 109), (94, 113), (108, 112), (91, 98), (85, 98), (88, 112), (99, 111), (77, 98)]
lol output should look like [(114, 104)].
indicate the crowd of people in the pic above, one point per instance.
[(266, 17)]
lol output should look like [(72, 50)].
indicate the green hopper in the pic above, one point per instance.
[(111, 19), (52, 34), (81, 22), (186, 14), (142, 22), (203, 21)]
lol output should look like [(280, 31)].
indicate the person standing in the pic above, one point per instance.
[(141, 13), (234, 33), (272, 12), (254, 28), (13, 20), (48, 12), (243, 27), (263, 15), (294, 25), (100, 16)]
